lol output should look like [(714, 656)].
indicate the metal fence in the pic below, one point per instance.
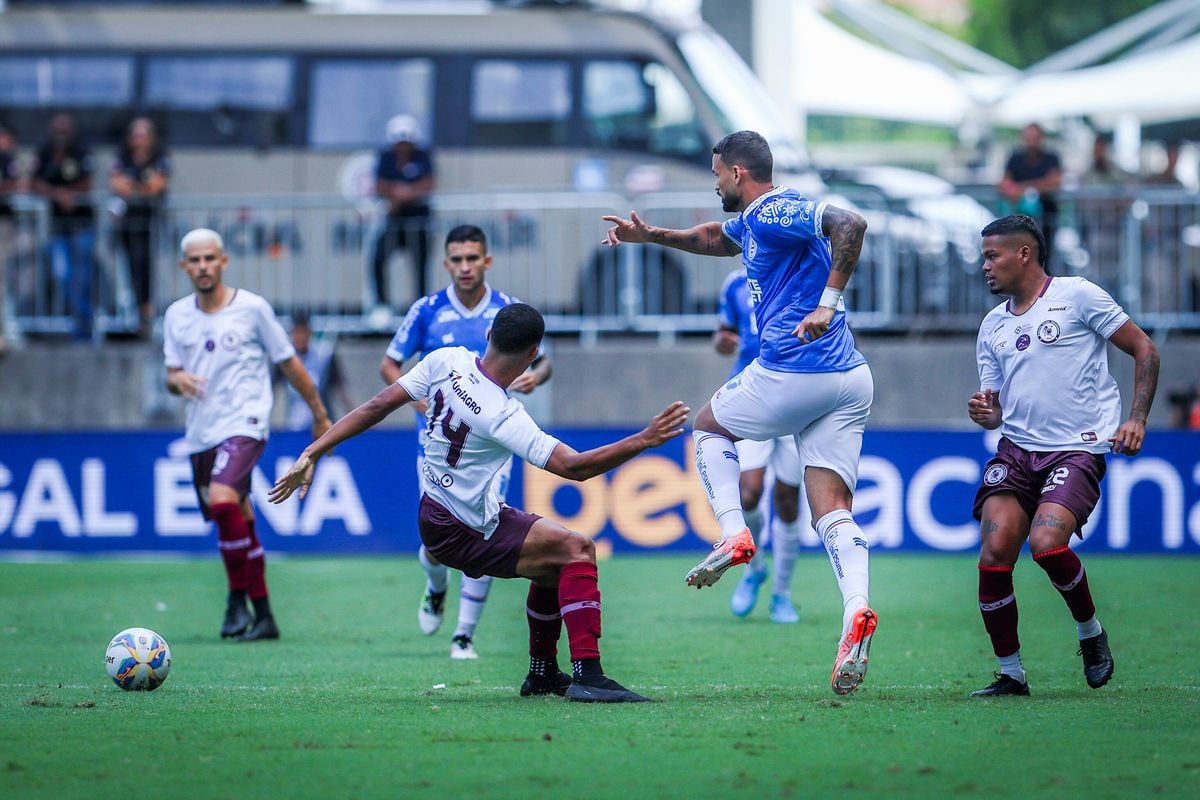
[(312, 254)]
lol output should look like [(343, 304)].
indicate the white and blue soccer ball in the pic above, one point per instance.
[(138, 660)]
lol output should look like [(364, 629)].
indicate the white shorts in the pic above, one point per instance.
[(825, 411), (780, 454)]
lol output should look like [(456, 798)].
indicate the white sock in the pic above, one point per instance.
[(1011, 666), (435, 574), (472, 597), (1089, 629), (720, 473), (848, 554), (785, 544)]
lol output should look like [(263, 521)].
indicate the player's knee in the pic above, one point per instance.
[(787, 505), (580, 548), (751, 497)]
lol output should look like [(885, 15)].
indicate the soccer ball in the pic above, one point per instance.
[(138, 660)]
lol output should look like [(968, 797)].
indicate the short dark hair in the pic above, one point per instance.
[(466, 233), (747, 149), (516, 328), (1018, 224)]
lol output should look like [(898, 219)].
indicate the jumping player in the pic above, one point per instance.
[(458, 315), (473, 428), (808, 380), (219, 344), (1044, 381), (737, 332)]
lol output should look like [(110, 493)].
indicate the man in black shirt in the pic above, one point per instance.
[(1031, 178), (63, 175)]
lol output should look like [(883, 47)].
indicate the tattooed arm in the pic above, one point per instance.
[(1134, 341), (706, 239), (845, 230)]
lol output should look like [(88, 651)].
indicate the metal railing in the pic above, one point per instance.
[(313, 254)]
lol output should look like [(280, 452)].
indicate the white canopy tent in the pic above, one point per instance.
[(1157, 86)]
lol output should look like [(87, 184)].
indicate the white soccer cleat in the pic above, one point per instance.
[(850, 668), (462, 649), (431, 612), (726, 553)]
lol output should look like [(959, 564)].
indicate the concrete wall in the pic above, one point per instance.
[(918, 382)]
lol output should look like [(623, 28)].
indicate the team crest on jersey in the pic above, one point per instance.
[(751, 248), (1048, 332), (1023, 342), (230, 340), (995, 473)]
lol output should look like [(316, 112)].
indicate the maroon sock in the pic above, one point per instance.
[(233, 540), (1066, 573), (998, 605), (256, 566), (579, 603), (545, 622)]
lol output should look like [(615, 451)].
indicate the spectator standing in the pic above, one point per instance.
[(320, 361), (139, 179), (404, 177), (1101, 205), (1032, 177), (10, 182), (62, 173)]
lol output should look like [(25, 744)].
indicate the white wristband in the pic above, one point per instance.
[(830, 297)]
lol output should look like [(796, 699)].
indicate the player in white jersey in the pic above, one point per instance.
[(219, 344), (457, 316), (474, 426), (808, 380), (1044, 381)]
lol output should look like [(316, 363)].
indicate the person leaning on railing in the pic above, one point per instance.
[(10, 183)]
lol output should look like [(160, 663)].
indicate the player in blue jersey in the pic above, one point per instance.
[(737, 332), (457, 316), (808, 380)]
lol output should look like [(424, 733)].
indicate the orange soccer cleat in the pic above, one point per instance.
[(850, 668), (726, 553)]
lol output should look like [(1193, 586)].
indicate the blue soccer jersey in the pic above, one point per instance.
[(787, 262), (736, 313), (441, 320)]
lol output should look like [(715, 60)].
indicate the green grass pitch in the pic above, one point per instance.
[(347, 704)]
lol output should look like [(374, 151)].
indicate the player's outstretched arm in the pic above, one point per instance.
[(984, 409), (706, 239), (1131, 339), (368, 415), (566, 462)]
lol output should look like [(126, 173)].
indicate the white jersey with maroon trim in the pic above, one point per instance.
[(472, 428), (1050, 367), (233, 350)]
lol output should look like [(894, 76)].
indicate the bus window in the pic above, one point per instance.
[(66, 81), (208, 100), (640, 107), (351, 101), (97, 90), (520, 103)]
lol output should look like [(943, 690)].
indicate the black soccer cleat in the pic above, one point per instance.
[(237, 619), (601, 690), (1097, 659), (1003, 685), (263, 628), (537, 685)]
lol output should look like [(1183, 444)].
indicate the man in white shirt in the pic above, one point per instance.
[(1044, 381), (219, 344), (473, 426)]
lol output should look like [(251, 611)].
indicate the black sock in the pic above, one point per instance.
[(542, 667), (262, 607), (237, 598), (587, 668)]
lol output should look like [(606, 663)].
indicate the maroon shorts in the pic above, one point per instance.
[(1070, 478), (455, 545), (229, 463)]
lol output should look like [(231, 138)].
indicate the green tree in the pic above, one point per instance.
[(1023, 32)]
